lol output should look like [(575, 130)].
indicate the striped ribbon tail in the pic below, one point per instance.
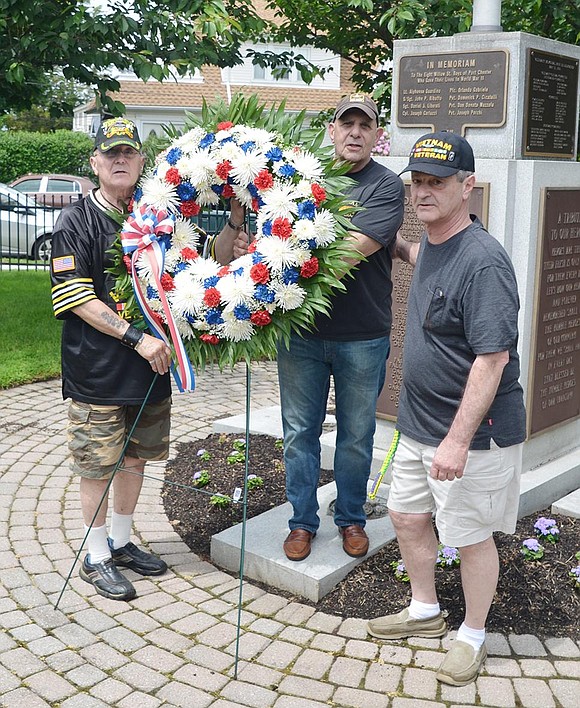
[(139, 237)]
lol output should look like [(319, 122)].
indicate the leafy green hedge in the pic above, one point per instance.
[(63, 151)]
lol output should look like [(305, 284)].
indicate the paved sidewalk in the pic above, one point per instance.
[(174, 645)]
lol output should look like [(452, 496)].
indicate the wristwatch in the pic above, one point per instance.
[(235, 227)]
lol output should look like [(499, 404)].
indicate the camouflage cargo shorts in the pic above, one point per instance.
[(97, 435)]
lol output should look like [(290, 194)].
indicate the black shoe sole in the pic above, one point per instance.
[(105, 593)]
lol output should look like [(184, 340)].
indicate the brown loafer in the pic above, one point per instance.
[(355, 541), (298, 544)]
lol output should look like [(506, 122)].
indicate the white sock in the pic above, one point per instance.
[(97, 544), (120, 529), (473, 637), (422, 610)]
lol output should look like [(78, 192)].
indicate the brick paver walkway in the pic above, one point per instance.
[(175, 644)]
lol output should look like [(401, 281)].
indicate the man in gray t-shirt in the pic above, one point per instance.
[(461, 412)]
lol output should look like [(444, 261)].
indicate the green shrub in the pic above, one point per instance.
[(63, 151)]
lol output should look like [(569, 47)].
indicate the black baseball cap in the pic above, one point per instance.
[(361, 101), (117, 131), (441, 154)]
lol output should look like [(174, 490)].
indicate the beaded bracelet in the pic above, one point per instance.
[(132, 337), (234, 227)]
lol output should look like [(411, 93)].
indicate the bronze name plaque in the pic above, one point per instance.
[(551, 117), (554, 394), (411, 230), (453, 91)]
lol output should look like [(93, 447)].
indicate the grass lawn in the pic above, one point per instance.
[(29, 332)]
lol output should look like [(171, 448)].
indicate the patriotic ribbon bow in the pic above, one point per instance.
[(140, 237)]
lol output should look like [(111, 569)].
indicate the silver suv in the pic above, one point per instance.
[(25, 226)]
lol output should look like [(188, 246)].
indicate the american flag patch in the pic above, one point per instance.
[(63, 263)]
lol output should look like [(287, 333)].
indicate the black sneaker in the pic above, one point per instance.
[(129, 556), (107, 580)]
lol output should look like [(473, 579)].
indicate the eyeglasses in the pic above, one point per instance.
[(127, 153)]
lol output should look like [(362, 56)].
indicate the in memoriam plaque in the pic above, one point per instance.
[(402, 273), (554, 395), (551, 117), (453, 90)]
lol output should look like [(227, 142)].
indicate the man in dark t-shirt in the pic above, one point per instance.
[(350, 344), (461, 412)]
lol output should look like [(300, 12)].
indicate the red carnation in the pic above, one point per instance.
[(190, 208), (157, 317), (189, 254), (309, 268), (212, 297), (172, 176), (256, 204), (209, 338), (167, 282), (260, 318), (127, 262), (264, 180), (225, 125), (223, 169), (227, 192), (318, 193), (259, 273), (281, 228), (223, 271)]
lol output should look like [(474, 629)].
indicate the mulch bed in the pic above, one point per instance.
[(533, 597)]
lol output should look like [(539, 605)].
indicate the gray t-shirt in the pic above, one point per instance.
[(463, 301)]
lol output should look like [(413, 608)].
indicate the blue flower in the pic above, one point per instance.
[(242, 312), (249, 145), (267, 228), (238, 271), (252, 189), (207, 140), (174, 155), (287, 171), (137, 194), (213, 316), (274, 154), (290, 275), (217, 188), (165, 240), (211, 281), (257, 257), (531, 544), (152, 294), (186, 191), (306, 210), (312, 244), (180, 266), (262, 293)]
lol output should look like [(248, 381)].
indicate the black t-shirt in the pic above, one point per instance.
[(463, 302), (96, 368), (363, 311)]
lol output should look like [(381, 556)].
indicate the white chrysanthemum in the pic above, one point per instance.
[(185, 234), (302, 255), (304, 229), (279, 201), (203, 268), (157, 306), (184, 328), (199, 168), (305, 163), (144, 269), (172, 258), (290, 296), (324, 227), (160, 194), (246, 262), (229, 151), (243, 196), (246, 133), (236, 290), (207, 197), (222, 135), (277, 253), (161, 170), (234, 329), (186, 298), (303, 189), (190, 141), (246, 166)]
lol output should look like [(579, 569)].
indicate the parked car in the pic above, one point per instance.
[(53, 190), (25, 226)]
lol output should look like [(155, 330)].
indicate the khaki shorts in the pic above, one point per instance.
[(97, 435), (467, 510)]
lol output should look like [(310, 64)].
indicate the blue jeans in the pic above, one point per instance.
[(304, 372)]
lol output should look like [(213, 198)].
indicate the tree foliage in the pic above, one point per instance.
[(152, 38), (363, 31)]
